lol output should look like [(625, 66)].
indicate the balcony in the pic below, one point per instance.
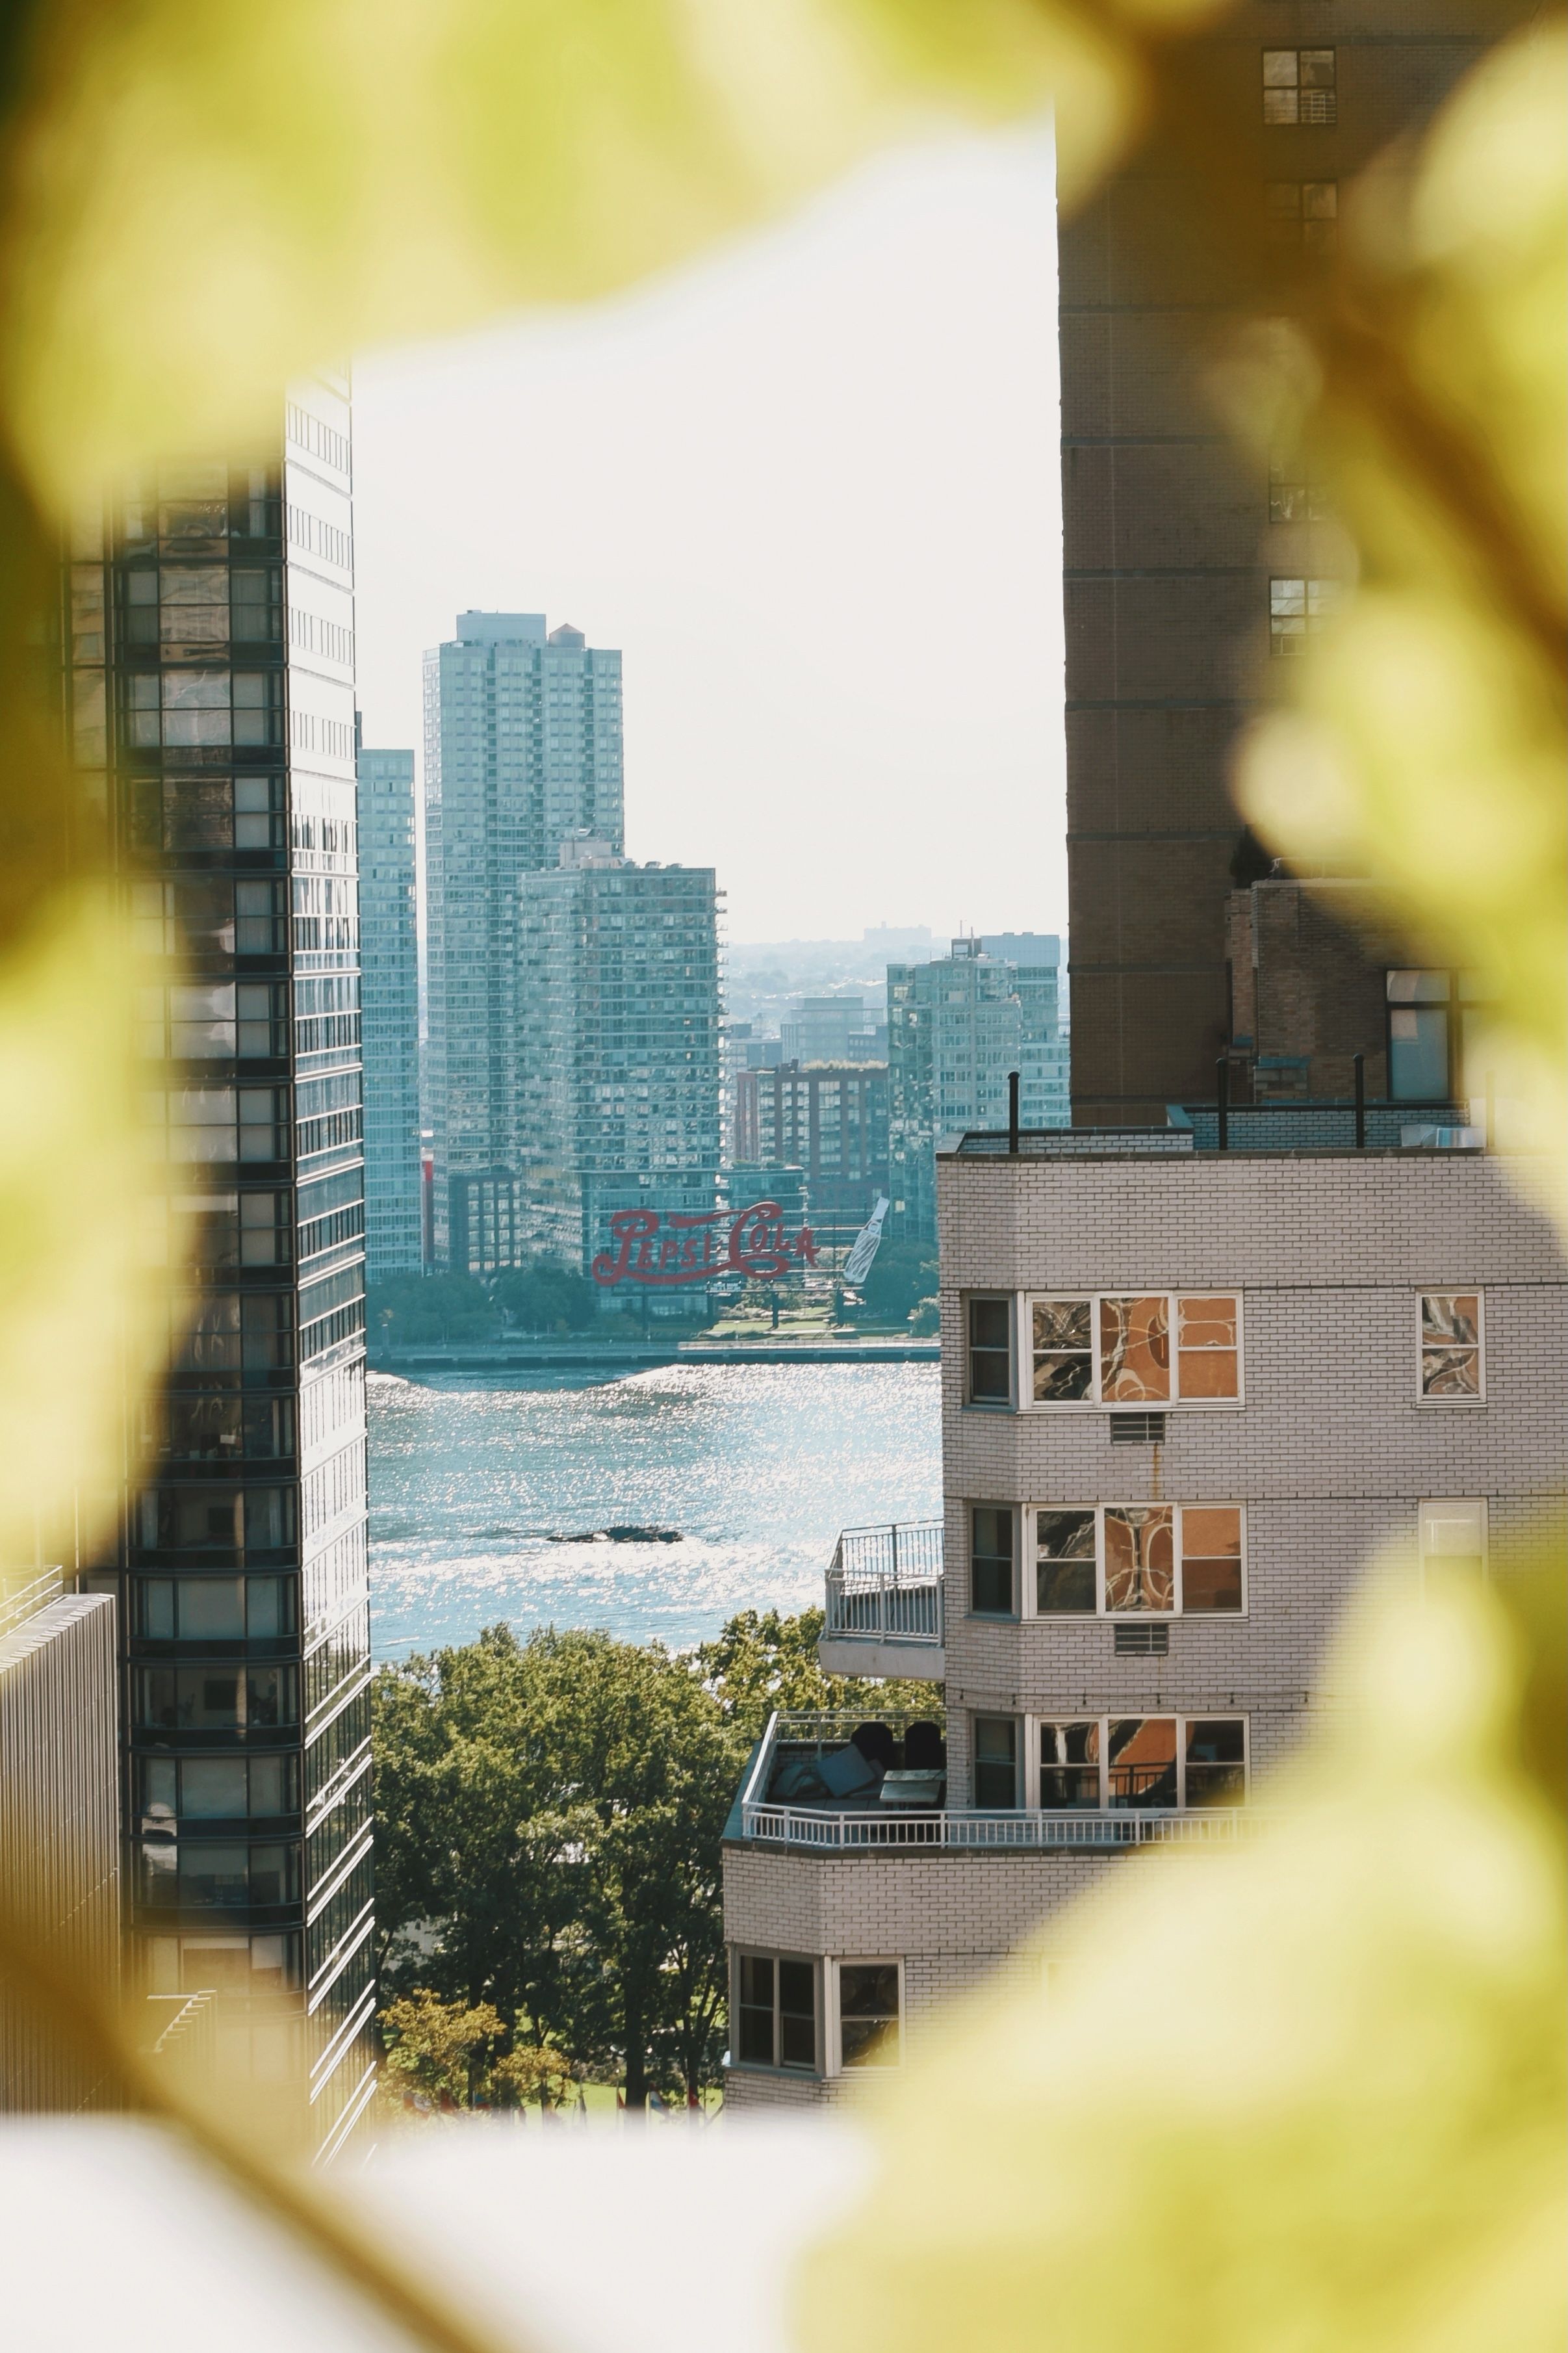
[(860, 1802), (884, 1603)]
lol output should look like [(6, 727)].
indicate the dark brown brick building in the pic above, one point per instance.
[(1188, 574)]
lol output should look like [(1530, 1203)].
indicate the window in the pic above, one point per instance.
[(1066, 1583), (1304, 213), (991, 1560), (996, 1762), (1069, 1766), (1454, 1536), (870, 2013), (223, 1519), (990, 1351), (1297, 609), (775, 2012), (1138, 1559), (1167, 1762), (1215, 1762), (1450, 1347), (1419, 1037), (214, 1609), (216, 1698), (216, 1788), (1117, 1352), (1297, 493), (1299, 86), (203, 1874)]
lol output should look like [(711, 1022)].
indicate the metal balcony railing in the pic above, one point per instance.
[(1136, 1826), (884, 1585), (878, 1829)]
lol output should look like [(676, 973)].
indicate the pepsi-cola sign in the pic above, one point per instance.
[(662, 1249)]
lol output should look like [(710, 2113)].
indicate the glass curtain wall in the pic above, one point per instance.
[(209, 649)]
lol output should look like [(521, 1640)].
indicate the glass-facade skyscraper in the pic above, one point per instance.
[(389, 966), (209, 639), (522, 747)]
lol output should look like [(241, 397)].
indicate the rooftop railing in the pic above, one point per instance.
[(20, 1602), (885, 1585)]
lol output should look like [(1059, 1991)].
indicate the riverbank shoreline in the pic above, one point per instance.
[(639, 1355)]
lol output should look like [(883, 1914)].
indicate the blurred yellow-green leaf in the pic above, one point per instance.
[(207, 200), (1424, 746), (83, 1273), (1307, 2094)]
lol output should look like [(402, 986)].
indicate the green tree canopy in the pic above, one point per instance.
[(431, 1311), (550, 1815), (902, 1274), (547, 1296)]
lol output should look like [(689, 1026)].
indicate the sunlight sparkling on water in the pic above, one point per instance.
[(476, 1495)]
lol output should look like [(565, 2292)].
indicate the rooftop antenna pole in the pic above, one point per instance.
[(1358, 1066), (1221, 1102), (1013, 1113)]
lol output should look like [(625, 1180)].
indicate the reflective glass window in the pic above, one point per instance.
[(1140, 1557), (1065, 1569), (1451, 1346), (1063, 1350), (1134, 1351), (1142, 1762), (1069, 1765)]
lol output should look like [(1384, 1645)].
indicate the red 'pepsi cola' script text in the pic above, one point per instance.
[(664, 1249)]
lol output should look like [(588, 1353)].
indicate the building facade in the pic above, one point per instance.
[(59, 1821), (617, 1046), (956, 1028), (210, 649), (833, 1029), (522, 747), (389, 987), (1316, 981), (1192, 578), (1187, 1395), (830, 1121)]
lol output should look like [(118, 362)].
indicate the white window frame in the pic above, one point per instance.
[(992, 1617), (1182, 1717), (1021, 1736), (831, 1969), (1450, 1290), (776, 2066), (1010, 1404), (1027, 1559), (1438, 1510), (1023, 1345)]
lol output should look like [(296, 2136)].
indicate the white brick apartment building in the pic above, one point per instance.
[(1187, 1394)]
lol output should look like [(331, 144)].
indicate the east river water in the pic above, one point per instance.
[(489, 1504)]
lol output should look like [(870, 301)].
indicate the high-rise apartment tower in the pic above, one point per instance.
[(389, 962), (209, 638), (1191, 576), (617, 1046), (957, 1028), (522, 747)]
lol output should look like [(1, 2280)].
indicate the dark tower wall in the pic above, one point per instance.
[(1169, 543)]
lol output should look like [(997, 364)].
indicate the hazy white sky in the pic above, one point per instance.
[(811, 489)]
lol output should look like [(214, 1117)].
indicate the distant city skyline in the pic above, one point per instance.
[(876, 377)]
